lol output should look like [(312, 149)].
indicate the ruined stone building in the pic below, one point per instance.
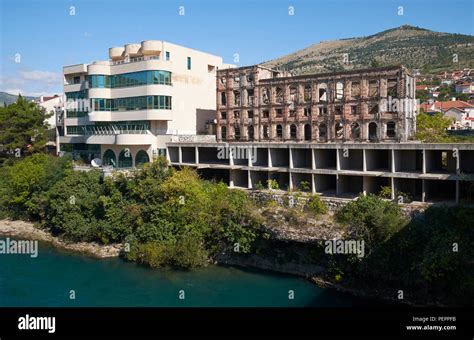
[(259, 104)]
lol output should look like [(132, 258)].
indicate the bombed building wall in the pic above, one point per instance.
[(258, 104)]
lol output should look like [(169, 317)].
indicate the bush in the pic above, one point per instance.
[(273, 184), (372, 219), (316, 206), (385, 192)]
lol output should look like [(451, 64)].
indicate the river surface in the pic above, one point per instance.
[(55, 276)]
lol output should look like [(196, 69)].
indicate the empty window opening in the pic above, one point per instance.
[(293, 131), (237, 133), (236, 80), (292, 113), (355, 131), (265, 96), (373, 109), (307, 111), (307, 132), (339, 130), (279, 95), (223, 115), (338, 110), (322, 93), (307, 93), (250, 114), (251, 133), (250, 96), (236, 114), (323, 131), (279, 112), (223, 80), (224, 132), (223, 99), (372, 131), (293, 94), (339, 90), (355, 89), (279, 131), (265, 114), (355, 109), (323, 110), (392, 88), (237, 98), (265, 131), (373, 88), (391, 129)]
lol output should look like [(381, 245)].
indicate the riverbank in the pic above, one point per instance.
[(27, 230)]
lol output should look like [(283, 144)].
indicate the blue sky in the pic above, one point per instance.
[(45, 36)]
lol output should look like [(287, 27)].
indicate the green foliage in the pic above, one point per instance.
[(72, 208), (432, 128), (273, 184), (372, 219), (305, 186), (23, 183), (259, 186), (316, 206), (385, 192), (23, 126)]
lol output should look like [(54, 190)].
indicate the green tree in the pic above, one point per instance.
[(432, 128), (23, 126)]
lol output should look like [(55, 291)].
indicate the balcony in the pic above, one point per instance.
[(119, 136), (111, 116)]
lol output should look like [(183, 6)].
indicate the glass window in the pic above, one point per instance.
[(189, 63), (167, 55)]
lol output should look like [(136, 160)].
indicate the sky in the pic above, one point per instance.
[(39, 37)]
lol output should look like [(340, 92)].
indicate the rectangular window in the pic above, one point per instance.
[(167, 55), (77, 80), (189, 63)]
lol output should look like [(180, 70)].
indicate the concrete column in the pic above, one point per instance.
[(269, 158), (423, 169), (423, 190), (249, 182), (231, 178), (231, 156), (290, 179), (313, 160), (392, 185), (338, 161), (313, 184), (180, 155), (458, 162), (196, 154), (250, 156), (393, 160), (364, 162), (338, 185), (291, 157), (365, 184)]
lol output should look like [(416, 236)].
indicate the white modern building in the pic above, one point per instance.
[(124, 110)]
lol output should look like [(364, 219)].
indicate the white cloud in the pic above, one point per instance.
[(44, 76)]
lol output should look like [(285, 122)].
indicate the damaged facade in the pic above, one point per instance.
[(259, 104)]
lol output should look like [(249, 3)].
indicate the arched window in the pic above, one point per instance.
[(237, 133), (323, 131), (355, 131), (293, 131), (307, 132), (372, 131), (125, 159), (279, 129), (265, 131), (339, 130), (251, 132), (224, 132), (141, 158), (391, 129), (109, 158)]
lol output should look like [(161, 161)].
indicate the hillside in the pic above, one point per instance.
[(411, 46), (7, 98)]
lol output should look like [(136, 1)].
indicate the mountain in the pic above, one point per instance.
[(7, 98), (411, 46)]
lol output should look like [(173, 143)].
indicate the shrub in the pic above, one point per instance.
[(316, 206), (385, 192), (371, 218), (273, 184)]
